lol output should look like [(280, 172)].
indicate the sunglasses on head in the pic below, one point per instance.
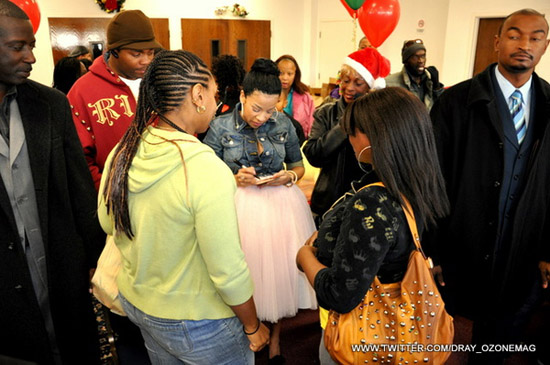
[(407, 44)]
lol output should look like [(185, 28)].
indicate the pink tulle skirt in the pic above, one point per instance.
[(274, 222)]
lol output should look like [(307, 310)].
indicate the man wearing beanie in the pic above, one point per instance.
[(414, 76), (103, 101)]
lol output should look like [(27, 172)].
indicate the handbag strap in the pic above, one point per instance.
[(409, 214)]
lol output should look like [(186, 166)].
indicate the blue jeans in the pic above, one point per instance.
[(168, 341)]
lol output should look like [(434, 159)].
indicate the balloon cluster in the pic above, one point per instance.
[(30, 7), (377, 18)]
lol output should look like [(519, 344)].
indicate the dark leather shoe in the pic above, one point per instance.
[(276, 360)]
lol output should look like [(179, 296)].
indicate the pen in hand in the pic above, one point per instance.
[(244, 167)]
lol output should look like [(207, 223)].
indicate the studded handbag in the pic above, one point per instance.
[(396, 323)]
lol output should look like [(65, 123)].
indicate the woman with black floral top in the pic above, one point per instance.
[(365, 233)]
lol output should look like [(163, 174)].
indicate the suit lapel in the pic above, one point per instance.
[(35, 114), (505, 118), (36, 117), (492, 110), (5, 205), (482, 95)]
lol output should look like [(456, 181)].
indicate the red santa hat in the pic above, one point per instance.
[(370, 65)]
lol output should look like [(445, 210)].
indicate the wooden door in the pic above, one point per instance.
[(249, 39), (485, 49), (208, 38), (205, 38), (65, 33)]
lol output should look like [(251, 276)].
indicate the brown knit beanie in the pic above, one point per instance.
[(131, 29)]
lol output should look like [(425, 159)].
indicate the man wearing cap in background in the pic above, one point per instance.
[(80, 52), (415, 76), (103, 104), (104, 100)]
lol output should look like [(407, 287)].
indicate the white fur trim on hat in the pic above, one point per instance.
[(379, 83), (373, 83)]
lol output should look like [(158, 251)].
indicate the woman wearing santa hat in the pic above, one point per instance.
[(328, 147)]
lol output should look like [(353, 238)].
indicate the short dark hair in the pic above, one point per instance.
[(526, 11), (264, 77), (297, 84), (67, 70), (9, 9), (404, 154)]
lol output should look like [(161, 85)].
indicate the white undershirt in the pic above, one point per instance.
[(133, 85)]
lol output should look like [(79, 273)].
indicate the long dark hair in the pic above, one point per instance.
[(403, 148), (297, 84), (165, 85), (67, 70), (264, 77)]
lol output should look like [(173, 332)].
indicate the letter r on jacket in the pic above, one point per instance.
[(103, 109)]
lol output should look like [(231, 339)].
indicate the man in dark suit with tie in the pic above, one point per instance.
[(49, 233), (489, 131)]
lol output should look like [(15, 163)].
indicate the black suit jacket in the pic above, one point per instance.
[(73, 239), (470, 140)]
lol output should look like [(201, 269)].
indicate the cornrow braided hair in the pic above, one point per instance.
[(165, 85)]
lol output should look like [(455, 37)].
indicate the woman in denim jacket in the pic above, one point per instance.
[(256, 143)]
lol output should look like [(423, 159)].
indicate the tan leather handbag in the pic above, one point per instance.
[(396, 323)]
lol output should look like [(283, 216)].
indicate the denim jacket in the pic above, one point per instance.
[(235, 142)]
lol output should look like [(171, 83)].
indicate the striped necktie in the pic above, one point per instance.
[(518, 115)]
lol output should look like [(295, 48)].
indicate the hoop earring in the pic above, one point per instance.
[(201, 109)]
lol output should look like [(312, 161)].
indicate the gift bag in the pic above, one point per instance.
[(104, 285)]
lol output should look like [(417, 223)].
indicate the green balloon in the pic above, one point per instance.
[(355, 4)]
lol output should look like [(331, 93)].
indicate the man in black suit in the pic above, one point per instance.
[(49, 234), (489, 131)]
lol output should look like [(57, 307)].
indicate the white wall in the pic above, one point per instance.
[(291, 30), (449, 32), (432, 12), (463, 19)]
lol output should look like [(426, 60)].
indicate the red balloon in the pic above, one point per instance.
[(30, 7), (352, 13), (378, 19)]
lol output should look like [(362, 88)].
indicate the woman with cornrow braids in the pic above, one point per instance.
[(169, 203)]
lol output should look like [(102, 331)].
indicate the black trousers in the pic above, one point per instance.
[(490, 333)]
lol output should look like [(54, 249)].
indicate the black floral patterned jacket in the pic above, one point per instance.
[(364, 234)]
